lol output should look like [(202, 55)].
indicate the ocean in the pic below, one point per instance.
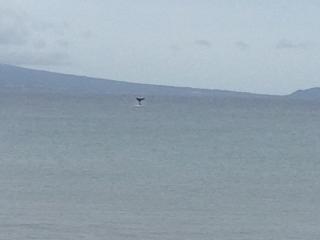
[(99, 167)]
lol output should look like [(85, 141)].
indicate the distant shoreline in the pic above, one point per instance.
[(20, 79)]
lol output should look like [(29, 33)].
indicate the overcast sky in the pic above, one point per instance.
[(263, 46)]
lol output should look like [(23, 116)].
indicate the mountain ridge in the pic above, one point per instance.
[(21, 79), (310, 93)]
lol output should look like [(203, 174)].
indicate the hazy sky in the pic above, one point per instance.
[(264, 46)]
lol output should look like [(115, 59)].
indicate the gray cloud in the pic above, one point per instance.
[(63, 43), (58, 29), (87, 34), (31, 59), (242, 45), (24, 41), (203, 43), (13, 28), (287, 44), (40, 44), (175, 48)]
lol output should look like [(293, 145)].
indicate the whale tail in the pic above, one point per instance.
[(140, 99)]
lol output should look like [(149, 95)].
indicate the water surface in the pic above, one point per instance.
[(98, 167)]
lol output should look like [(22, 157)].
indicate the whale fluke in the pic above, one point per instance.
[(139, 99)]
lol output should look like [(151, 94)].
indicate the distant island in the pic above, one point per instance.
[(19, 79), (311, 93)]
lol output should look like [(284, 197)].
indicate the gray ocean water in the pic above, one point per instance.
[(75, 167)]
